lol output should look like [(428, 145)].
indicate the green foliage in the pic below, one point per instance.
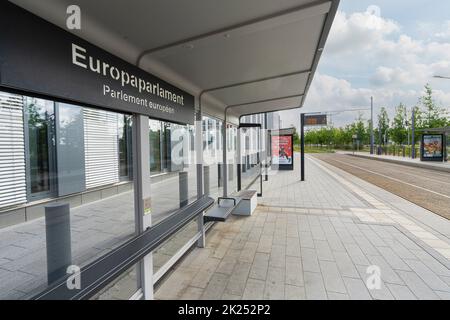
[(398, 131), (383, 126), (296, 137), (433, 116)]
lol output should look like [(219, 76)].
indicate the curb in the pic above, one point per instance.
[(406, 163)]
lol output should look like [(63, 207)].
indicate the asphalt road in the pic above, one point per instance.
[(429, 189)]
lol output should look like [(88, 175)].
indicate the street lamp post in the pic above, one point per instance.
[(445, 78), (372, 138), (413, 138), (380, 150)]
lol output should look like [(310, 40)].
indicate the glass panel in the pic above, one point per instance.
[(125, 160), (41, 119), (70, 149), (168, 195), (123, 288), (250, 158), (232, 159), (71, 230), (212, 157), (168, 249), (155, 146)]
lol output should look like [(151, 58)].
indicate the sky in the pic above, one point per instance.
[(388, 49)]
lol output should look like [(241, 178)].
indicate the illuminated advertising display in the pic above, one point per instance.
[(282, 152), (432, 147)]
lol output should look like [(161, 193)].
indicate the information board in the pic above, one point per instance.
[(316, 120)]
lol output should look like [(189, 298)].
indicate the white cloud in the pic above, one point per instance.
[(375, 48), (328, 93), (384, 62), (358, 31), (336, 94)]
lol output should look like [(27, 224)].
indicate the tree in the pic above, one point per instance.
[(398, 131), (433, 115), (418, 123), (296, 136), (361, 130), (383, 125)]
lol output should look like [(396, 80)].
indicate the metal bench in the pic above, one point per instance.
[(101, 272), (243, 203), (222, 210)]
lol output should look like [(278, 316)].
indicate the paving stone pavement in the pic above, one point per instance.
[(317, 240)]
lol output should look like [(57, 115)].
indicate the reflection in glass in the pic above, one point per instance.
[(212, 155), (155, 146), (123, 288), (99, 221), (125, 146), (41, 118), (170, 154), (70, 149)]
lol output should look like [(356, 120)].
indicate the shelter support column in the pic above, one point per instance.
[(142, 187), (199, 159), (224, 157)]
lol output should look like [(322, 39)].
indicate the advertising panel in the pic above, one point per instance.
[(432, 147), (282, 152)]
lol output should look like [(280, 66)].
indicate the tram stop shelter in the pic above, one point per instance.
[(191, 60)]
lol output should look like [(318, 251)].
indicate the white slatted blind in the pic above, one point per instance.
[(101, 147), (12, 151)]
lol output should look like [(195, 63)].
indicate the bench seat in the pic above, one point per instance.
[(222, 210)]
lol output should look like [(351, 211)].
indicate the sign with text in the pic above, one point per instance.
[(283, 152), (316, 120), (432, 147), (39, 57)]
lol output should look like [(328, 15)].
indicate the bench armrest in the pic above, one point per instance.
[(224, 198)]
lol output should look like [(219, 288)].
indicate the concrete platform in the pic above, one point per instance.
[(317, 240), (432, 165)]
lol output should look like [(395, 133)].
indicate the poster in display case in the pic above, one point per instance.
[(283, 152), (432, 147)]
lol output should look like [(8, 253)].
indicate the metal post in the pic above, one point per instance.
[(302, 146), (199, 152), (372, 138), (142, 197), (444, 145), (413, 138), (380, 150), (239, 157), (239, 177), (260, 194), (199, 158), (206, 181), (58, 240), (183, 188), (266, 136), (224, 171), (219, 175)]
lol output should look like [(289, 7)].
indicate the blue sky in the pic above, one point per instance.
[(385, 49)]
